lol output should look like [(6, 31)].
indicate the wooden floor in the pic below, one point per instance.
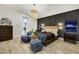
[(15, 46)]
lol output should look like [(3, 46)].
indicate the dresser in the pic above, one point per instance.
[(6, 33)]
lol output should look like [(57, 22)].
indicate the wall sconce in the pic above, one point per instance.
[(42, 26), (60, 25)]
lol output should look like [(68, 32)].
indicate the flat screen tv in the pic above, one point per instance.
[(71, 26)]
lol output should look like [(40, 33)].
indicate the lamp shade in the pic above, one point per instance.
[(42, 25), (60, 25)]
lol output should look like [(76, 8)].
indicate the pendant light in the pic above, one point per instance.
[(34, 13)]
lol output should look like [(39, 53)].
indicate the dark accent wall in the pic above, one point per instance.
[(62, 17), (55, 19)]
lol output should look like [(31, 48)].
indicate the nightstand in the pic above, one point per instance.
[(60, 33)]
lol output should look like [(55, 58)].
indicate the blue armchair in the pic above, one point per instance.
[(26, 38), (36, 45)]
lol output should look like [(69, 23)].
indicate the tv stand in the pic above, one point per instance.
[(71, 31), (70, 37)]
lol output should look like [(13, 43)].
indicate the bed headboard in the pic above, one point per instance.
[(52, 29)]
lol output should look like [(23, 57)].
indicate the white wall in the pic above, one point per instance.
[(16, 19), (30, 24)]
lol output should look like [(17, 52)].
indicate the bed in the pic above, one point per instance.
[(48, 35)]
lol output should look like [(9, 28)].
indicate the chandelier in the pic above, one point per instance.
[(34, 13)]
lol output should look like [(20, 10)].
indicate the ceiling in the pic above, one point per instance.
[(43, 9)]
